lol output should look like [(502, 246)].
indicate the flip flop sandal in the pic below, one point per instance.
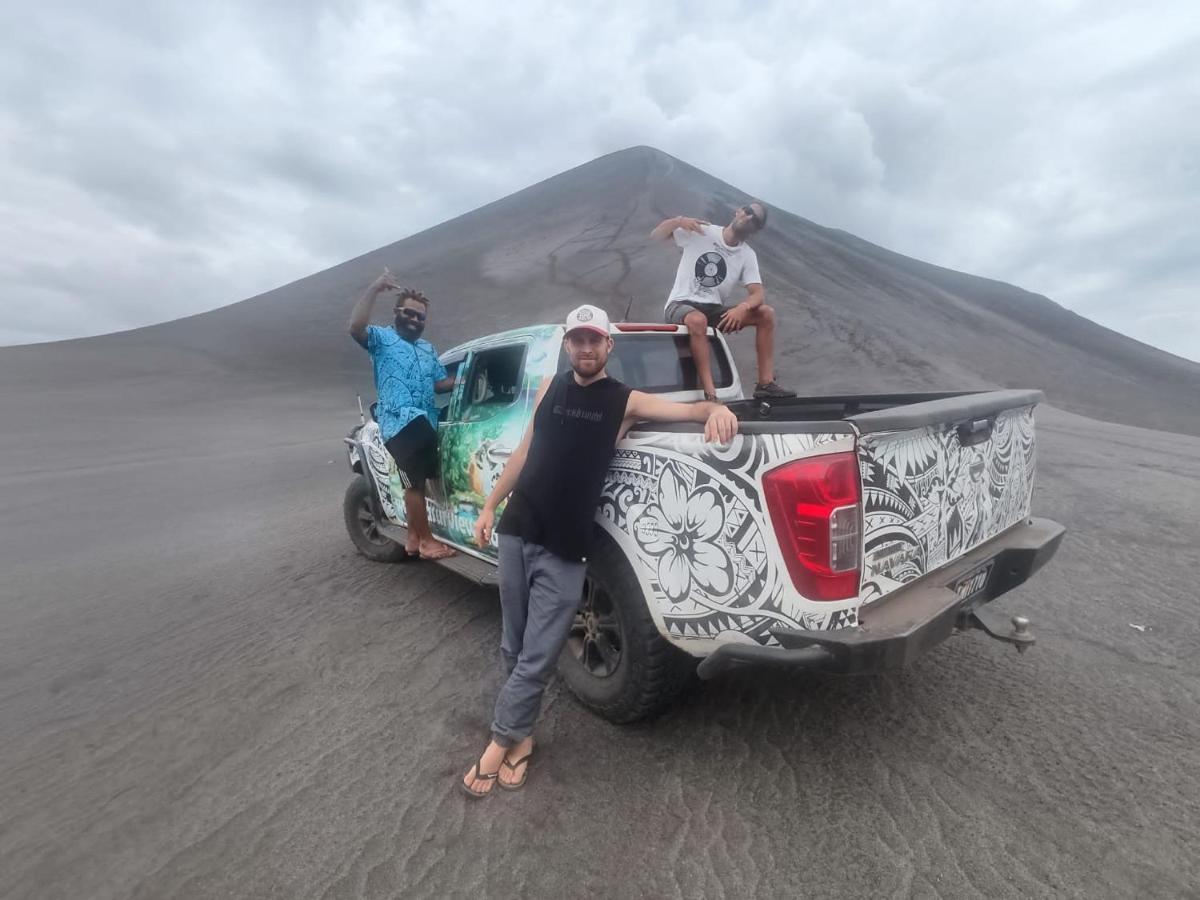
[(479, 776), (516, 785), (440, 555)]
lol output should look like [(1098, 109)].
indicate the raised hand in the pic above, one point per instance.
[(385, 282)]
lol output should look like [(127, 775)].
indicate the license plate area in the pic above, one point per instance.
[(974, 583)]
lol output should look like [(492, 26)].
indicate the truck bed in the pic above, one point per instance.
[(886, 412)]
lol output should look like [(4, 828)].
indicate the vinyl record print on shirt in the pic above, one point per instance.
[(710, 269)]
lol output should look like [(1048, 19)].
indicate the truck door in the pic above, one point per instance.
[(485, 422)]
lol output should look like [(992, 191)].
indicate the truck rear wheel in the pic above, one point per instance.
[(615, 661), (363, 529)]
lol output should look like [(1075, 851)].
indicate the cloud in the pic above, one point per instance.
[(157, 161)]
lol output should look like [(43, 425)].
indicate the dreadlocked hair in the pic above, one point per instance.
[(412, 294)]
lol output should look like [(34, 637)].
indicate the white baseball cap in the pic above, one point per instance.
[(590, 317)]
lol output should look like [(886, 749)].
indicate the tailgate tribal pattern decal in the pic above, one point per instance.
[(689, 516), (927, 499)]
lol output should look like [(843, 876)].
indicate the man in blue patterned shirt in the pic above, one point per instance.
[(407, 373)]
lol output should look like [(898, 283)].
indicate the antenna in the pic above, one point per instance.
[(361, 415), (625, 318)]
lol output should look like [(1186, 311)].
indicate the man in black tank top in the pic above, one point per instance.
[(555, 478)]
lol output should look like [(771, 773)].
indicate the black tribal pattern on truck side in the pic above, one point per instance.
[(690, 518)]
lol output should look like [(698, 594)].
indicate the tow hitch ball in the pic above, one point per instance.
[(993, 625)]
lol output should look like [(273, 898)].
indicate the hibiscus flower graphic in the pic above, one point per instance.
[(680, 529)]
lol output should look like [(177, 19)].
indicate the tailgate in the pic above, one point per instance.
[(940, 478)]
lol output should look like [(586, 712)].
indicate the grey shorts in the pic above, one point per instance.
[(676, 310)]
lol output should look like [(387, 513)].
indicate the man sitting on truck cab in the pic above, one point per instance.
[(407, 372), (714, 260)]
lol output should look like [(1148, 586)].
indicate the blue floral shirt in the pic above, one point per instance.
[(404, 377)]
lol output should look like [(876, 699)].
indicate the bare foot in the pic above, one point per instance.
[(513, 772), (488, 764), (431, 549)]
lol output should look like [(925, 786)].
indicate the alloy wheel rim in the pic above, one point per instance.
[(366, 522), (595, 636)]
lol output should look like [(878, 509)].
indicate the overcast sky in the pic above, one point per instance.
[(159, 159)]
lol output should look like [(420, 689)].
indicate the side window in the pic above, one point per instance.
[(493, 382), (661, 375), (442, 401)]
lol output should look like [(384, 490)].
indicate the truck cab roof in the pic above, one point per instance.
[(649, 356)]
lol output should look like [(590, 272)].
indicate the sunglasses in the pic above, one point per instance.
[(409, 313), (758, 223)]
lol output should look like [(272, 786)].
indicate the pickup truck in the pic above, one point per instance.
[(845, 534)]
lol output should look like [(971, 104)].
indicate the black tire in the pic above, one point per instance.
[(647, 673), (360, 523)]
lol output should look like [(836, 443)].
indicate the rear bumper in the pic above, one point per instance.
[(894, 631)]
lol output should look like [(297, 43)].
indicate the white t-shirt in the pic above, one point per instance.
[(710, 268)]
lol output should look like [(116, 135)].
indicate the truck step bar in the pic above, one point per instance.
[(469, 567)]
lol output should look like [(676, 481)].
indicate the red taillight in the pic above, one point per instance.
[(814, 506)]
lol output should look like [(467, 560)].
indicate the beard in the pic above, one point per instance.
[(408, 329), (589, 367), (742, 231)]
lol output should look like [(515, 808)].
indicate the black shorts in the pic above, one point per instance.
[(414, 448), (676, 310)]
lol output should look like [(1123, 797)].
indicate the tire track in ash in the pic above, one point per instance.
[(306, 741), (607, 234)]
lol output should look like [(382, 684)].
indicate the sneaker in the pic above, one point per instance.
[(772, 391)]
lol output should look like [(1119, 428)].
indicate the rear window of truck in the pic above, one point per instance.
[(660, 363)]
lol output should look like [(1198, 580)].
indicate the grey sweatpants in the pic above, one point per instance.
[(539, 593)]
